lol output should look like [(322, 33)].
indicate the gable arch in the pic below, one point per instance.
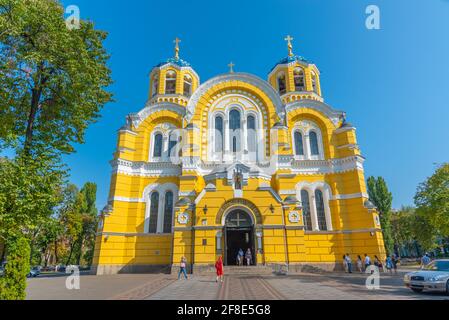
[(261, 89), (238, 203)]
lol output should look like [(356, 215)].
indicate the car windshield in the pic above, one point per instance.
[(438, 266)]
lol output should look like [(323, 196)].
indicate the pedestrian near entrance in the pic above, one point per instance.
[(359, 264), (367, 261), (219, 269), (378, 263), (345, 264), (241, 256), (182, 268), (349, 263), (248, 257)]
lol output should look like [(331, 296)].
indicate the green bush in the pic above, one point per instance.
[(13, 283)]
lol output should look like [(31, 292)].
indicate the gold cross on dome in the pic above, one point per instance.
[(289, 39), (176, 42), (231, 66)]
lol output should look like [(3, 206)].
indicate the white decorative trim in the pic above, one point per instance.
[(145, 169), (311, 167), (244, 77), (149, 109), (350, 196), (334, 115), (311, 187)]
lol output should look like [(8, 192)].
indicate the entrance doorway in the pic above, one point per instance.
[(239, 234)]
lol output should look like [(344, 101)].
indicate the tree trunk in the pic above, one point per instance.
[(56, 252), (36, 94), (71, 251)]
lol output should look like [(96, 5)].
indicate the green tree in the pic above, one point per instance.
[(432, 200), (382, 199), (53, 85), (53, 79), (86, 241), (12, 284)]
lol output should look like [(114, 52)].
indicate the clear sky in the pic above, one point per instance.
[(393, 83)]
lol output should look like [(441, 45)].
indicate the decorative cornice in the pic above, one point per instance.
[(145, 169), (306, 167)]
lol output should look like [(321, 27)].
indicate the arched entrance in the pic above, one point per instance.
[(239, 234)]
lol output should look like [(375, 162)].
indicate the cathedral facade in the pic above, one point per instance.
[(236, 162)]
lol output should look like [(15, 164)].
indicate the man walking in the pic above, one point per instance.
[(367, 261), (348, 263)]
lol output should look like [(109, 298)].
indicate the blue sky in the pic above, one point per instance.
[(393, 83)]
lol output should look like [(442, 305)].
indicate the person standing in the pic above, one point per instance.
[(389, 264), (359, 264), (241, 254), (182, 268), (219, 269), (345, 264), (348, 262), (378, 263), (395, 261), (248, 257), (367, 261), (425, 260)]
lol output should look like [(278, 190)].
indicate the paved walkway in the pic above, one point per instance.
[(239, 287)]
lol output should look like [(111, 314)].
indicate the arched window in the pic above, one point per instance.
[(234, 126), (298, 75), (314, 150), (321, 215), (170, 82), (306, 210), (154, 208), (281, 83), (251, 136), (168, 211), (187, 85), (157, 147), (218, 134), (314, 87), (155, 85), (299, 147), (172, 142)]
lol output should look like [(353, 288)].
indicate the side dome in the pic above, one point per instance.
[(294, 77), (173, 80)]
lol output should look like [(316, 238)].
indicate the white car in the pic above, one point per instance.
[(432, 277)]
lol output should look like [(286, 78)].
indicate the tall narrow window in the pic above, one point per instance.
[(314, 150), (299, 147), (298, 74), (157, 148), (314, 87), (218, 134), (154, 208), (187, 85), (234, 126), (170, 82), (251, 135), (172, 141), (281, 83), (321, 215), (168, 211), (155, 85), (306, 210)]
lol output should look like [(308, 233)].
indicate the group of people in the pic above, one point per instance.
[(391, 263), (218, 268), (244, 256)]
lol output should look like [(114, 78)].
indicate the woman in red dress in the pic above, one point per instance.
[(219, 269)]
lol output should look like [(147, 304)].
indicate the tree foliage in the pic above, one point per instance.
[(432, 200), (53, 79), (382, 199), (13, 283)]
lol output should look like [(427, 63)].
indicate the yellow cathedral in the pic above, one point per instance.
[(236, 162)]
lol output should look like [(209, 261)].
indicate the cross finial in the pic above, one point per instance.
[(176, 42), (289, 39), (231, 67)]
